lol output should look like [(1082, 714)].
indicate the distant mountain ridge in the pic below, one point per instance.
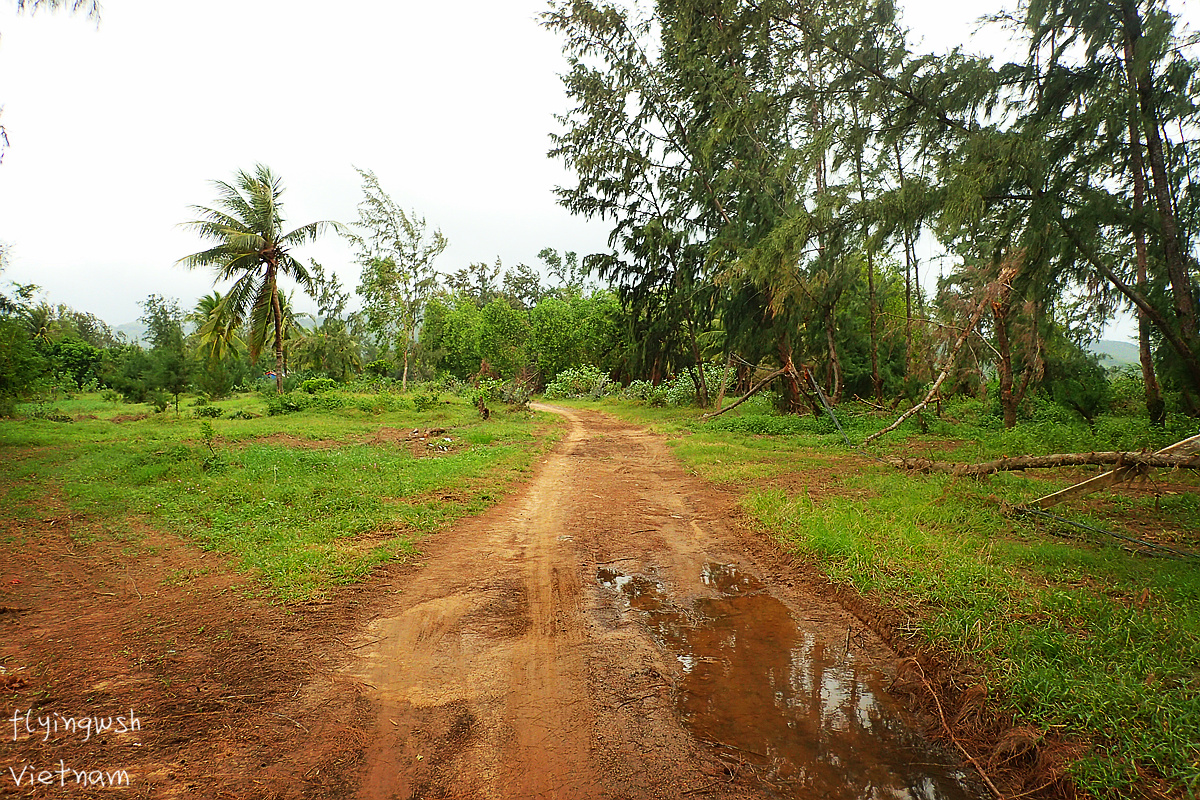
[(1116, 354), (134, 332)]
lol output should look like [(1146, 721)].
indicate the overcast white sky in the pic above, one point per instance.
[(117, 129)]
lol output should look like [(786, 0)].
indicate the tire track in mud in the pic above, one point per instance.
[(520, 662)]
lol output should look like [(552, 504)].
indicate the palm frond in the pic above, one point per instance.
[(262, 318), (297, 272)]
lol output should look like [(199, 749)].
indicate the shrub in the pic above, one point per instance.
[(285, 404), (380, 403), (211, 412), (160, 400), (423, 401), (380, 367), (319, 385), (516, 394), (579, 382)]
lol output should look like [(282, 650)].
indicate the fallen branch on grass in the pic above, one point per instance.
[(995, 287), (1120, 459), (757, 388)]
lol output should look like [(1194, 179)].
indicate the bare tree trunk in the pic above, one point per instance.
[(701, 384), (1187, 354), (907, 275), (791, 386), (1155, 407), (277, 312), (758, 387), (1006, 276), (835, 365), (1011, 463), (724, 380), (876, 380), (1177, 272), (1000, 311)]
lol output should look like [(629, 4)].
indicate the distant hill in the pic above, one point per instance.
[(134, 332), (1116, 354)]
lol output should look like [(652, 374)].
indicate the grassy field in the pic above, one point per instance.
[(1074, 634), (305, 500)]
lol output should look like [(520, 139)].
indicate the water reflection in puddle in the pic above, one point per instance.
[(798, 707)]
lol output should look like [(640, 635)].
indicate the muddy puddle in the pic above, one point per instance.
[(801, 709)]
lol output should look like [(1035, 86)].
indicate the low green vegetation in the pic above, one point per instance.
[(1069, 632), (306, 498)]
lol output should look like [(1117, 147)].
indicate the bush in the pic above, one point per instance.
[(285, 404), (380, 368), (579, 382), (319, 385), (242, 414), (516, 395), (423, 401), (44, 411), (160, 400), (211, 412)]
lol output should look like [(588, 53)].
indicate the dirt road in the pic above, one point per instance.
[(612, 632)]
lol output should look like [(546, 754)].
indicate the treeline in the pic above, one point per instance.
[(479, 322), (768, 168)]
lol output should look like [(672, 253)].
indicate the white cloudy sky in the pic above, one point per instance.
[(117, 129)]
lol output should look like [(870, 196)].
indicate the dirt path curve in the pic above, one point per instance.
[(605, 634)]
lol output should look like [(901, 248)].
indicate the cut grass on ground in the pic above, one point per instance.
[(303, 519)]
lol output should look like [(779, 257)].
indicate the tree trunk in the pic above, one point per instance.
[(907, 275), (835, 365), (277, 312), (724, 380), (1155, 407), (750, 393), (1000, 311), (1006, 276), (1015, 463), (791, 387), (1177, 272), (1186, 353), (701, 384), (876, 380)]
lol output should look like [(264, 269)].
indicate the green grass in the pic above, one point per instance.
[(304, 501), (1075, 636)]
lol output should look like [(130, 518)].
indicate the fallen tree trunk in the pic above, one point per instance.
[(1121, 459), (1187, 448), (1006, 276), (753, 391)]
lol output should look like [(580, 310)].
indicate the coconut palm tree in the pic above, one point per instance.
[(216, 329), (252, 250)]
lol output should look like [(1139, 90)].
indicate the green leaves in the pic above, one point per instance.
[(251, 249)]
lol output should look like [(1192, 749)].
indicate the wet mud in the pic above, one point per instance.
[(607, 633), (807, 712)]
